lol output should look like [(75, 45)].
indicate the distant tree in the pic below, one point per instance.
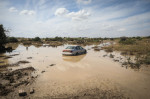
[(58, 38), (139, 38), (36, 39), (2, 35), (12, 39), (123, 38)]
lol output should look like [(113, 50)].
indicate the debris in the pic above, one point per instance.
[(52, 64), (7, 57), (22, 92), (43, 71), (29, 57), (14, 55), (111, 56), (31, 90), (115, 60), (104, 55), (23, 62), (97, 49)]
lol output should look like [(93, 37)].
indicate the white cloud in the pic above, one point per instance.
[(61, 11), (84, 1), (80, 15), (13, 9), (27, 12), (109, 21)]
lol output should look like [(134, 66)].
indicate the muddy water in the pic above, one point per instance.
[(74, 75)]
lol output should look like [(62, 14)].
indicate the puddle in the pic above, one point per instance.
[(59, 75)]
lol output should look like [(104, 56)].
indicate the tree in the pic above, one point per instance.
[(2, 38), (2, 35), (36, 39)]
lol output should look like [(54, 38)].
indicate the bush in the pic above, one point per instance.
[(139, 38), (127, 41), (147, 59), (36, 39), (58, 38), (123, 38), (12, 39)]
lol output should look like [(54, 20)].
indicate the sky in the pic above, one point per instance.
[(75, 18)]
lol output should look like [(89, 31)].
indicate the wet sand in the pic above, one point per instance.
[(85, 76)]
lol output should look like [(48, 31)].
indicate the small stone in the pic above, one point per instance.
[(22, 92), (52, 64), (31, 90), (43, 71)]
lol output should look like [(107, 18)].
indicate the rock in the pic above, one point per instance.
[(111, 56), (29, 57), (116, 60), (104, 55), (31, 90), (22, 92), (43, 71), (7, 57), (23, 62), (52, 64), (97, 49)]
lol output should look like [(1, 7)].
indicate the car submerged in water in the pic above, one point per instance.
[(74, 50)]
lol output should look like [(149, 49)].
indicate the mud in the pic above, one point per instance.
[(97, 74), (10, 80)]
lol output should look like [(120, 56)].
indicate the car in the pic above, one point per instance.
[(74, 50)]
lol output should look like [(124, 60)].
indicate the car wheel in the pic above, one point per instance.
[(85, 52), (77, 53)]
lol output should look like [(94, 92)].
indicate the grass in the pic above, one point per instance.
[(139, 47)]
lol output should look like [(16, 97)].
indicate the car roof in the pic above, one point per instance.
[(73, 45)]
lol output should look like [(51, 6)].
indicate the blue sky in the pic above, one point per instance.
[(76, 18)]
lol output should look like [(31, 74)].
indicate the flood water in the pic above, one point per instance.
[(76, 74)]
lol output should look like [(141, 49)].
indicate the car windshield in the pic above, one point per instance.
[(70, 47)]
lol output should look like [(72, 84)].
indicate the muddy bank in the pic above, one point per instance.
[(13, 64), (10, 81)]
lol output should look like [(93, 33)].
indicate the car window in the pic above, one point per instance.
[(80, 47), (77, 48), (70, 47)]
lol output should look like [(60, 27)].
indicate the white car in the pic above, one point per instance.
[(74, 50)]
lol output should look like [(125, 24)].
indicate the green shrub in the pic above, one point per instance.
[(58, 39), (147, 59), (128, 41), (36, 39), (123, 38), (139, 38), (12, 39)]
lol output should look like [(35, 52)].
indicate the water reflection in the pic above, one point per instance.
[(73, 59)]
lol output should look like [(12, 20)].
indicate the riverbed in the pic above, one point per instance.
[(91, 75)]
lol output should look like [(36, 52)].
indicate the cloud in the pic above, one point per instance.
[(80, 15), (13, 9), (27, 12), (84, 1), (61, 11), (99, 19)]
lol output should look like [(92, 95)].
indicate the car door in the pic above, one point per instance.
[(78, 49), (81, 49)]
